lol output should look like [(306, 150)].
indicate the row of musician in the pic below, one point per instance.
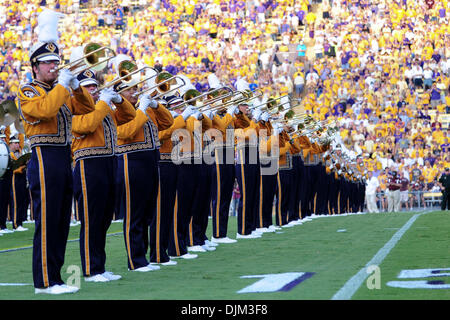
[(138, 145)]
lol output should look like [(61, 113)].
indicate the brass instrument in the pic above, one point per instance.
[(163, 84), (91, 56)]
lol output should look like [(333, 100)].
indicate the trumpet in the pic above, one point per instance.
[(193, 95), (126, 71), (91, 56), (270, 102), (164, 81)]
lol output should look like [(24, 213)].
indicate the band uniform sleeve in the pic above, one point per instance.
[(40, 106), (178, 123), (128, 130), (161, 116), (88, 123), (82, 101), (124, 113)]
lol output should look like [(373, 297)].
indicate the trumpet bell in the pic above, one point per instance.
[(190, 94), (162, 77), (91, 56), (125, 68), (94, 57)]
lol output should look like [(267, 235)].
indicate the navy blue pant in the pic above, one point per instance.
[(284, 193), (138, 175), (51, 184), (315, 188), (94, 193), (5, 191), (295, 186), (306, 191), (322, 191), (201, 206), (301, 186), (20, 199), (248, 178), (187, 191), (268, 190), (168, 176), (222, 178)]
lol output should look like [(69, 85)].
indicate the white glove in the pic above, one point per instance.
[(106, 95), (233, 110), (277, 129), (174, 114), (210, 114), (2, 128), (146, 101), (256, 114), (265, 116), (197, 115), (116, 97), (189, 111), (65, 78), (74, 83), (339, 171)]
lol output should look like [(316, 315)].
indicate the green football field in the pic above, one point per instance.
[(335, 257)]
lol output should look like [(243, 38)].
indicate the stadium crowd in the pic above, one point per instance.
[(379, 68)]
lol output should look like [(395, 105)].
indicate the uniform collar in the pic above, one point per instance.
[(43, 85)]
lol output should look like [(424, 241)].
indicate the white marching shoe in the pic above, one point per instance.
[(96, 278), (56, 289), (196, 249), (169, 263), (274, 228), (111, 276), (223, 240), (20, 228), (248, 236), (208, 248), (211, 244)]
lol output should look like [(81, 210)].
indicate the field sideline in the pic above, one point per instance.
[(322, 259)]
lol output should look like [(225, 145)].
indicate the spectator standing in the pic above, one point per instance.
[(372, 185)]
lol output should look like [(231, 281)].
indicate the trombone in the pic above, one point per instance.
[(193, 95), (93, 57), (126, 71), (270, 101), (163, 84)]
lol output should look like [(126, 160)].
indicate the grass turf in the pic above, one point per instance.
[(334, 248)]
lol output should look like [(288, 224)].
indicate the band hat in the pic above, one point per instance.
[(87, 78), (46, 49), (14, 139), (173, 100)]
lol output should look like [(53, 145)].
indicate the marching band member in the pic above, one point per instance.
[(167, 195), (188, 153), (285, 177), (20, 193), (5, 189), (268, 173), (223, 175), (202, 205), (138, 177), (93, 146), (247, 167), (46, 106)]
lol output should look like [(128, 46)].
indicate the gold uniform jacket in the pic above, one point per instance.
[(47, 112), (141, 133), (95, 133), (165, 138)]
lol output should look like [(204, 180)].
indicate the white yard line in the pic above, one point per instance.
[(353, 284)]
